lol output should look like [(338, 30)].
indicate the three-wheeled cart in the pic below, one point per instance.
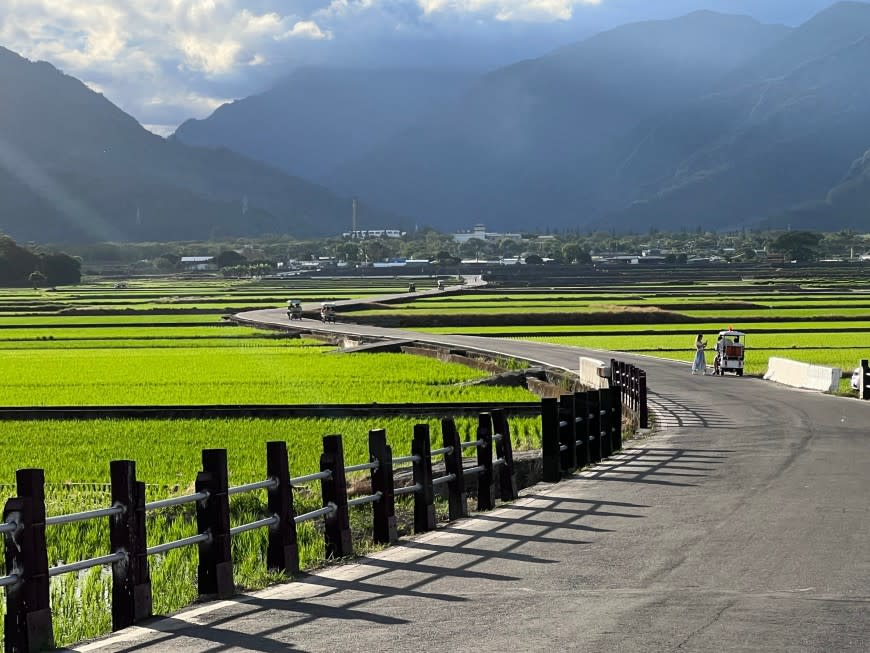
[(294, 309), (327, 312), (729, 352)]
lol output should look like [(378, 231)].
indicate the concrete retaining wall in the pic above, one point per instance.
[(803, 375), (594, 374)]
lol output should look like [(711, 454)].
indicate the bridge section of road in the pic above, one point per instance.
[(742, 524)]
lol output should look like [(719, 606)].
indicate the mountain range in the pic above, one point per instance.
[(708, 119), (74, 167)]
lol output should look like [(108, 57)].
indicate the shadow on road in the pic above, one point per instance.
[(673, 413), (440, 569), (676, 467)]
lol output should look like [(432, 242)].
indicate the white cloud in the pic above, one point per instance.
[(507, 10), (306, 29), (193, 53), (165, 61)]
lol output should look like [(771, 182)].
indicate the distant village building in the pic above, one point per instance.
[(480, 233), (363, 234), (199, 263)]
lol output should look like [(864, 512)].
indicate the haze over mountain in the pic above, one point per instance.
[(706, 119), (534, 143), (165, 61), (75, 167), (779, 132), (318, 118)]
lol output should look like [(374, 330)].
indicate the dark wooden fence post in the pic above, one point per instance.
[(384, 530), (215, 569), (424, 499), (131, 578), (606, 424), (552, 459), (864, 380), (582, 429), (282, 552), (643, 408), (504, 450), (457, 501), (593, 412), (27, 624), (485, 480), (339, 542), (567, 434), (616, 408)]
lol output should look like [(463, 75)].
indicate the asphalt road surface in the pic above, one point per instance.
[(742, 524)]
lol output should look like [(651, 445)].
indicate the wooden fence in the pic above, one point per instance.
[(631, 381), (578, 429), (28, 623)]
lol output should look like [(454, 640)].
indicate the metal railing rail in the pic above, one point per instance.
[(268, 484), (363, 466), (371, 498), (86, 564), (314, 514), (83, 516), (11, 579), (409, 489), (177, 544), (254, 525), (308, 478), (176, 501)]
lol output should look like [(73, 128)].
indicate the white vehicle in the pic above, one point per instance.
[(729, 352)]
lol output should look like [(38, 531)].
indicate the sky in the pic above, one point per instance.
[(164, 61)]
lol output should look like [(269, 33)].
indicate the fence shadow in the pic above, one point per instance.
[(659, 466), (369, 592), (673, 413)]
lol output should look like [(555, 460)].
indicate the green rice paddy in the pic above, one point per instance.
[(99, 344)]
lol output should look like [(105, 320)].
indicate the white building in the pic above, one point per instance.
[(362, 234), (200, 263), (479, 231)]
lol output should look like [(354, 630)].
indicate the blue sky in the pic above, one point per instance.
[(165, 61)]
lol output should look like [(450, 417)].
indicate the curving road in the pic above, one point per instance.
[(742, 524)]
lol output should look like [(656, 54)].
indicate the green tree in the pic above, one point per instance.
[(229, 257), (798, 245), (61, 269)]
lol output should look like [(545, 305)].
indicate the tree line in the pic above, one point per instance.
[(22, 266)]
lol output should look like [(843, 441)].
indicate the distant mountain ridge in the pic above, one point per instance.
[(317, 118), (708, 118), (74, 167), (535, 142), (779, 133)]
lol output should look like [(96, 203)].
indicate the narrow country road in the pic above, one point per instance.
[(742, 524)]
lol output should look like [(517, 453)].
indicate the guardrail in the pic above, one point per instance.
[(631, 380), (28, 622), (580, 429), (864, 381)]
